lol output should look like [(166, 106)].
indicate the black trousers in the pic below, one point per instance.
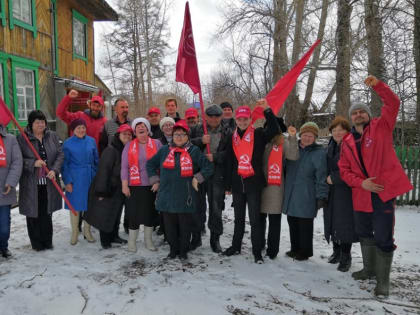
[(301, 235), (274, 227), (107, 238), (40, 229), (342, 247), (240, 200), (378, 224), (178, 231)]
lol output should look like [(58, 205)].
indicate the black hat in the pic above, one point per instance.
[(226, 104), (33, 115), (214, 110)]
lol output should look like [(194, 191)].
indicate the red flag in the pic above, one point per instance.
[(5, 117), (278, 95), (186, 65)]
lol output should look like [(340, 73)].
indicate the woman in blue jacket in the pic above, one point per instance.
[(79, 169)]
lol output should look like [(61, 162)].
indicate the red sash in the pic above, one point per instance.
[(275, 161), (3, 162), (185, 161), (133, 159), (244, 149)]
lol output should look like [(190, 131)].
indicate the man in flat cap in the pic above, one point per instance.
[(218, 139), (369, 165)]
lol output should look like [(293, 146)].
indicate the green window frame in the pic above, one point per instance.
[(2, 13), (82, 19), (14, 21), (55, 20), (5, 78), (24, 64)]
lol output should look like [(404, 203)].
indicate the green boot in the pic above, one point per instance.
[(383, 269), (367, 245)]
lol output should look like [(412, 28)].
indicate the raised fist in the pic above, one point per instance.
[(371, 81), (73, 94)]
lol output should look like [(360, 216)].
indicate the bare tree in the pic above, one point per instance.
[(416, 5)]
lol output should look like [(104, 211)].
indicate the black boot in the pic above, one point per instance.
[(195, 241), (119, 240), (215, 243), (6, 253), (258, 259), (231, 251), (335, 257), (345, 262)]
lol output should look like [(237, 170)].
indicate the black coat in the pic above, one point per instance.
[(338, 216), (107, 184), (157, 132), (262, 136)]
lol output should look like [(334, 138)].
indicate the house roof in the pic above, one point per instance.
[(100, 10)]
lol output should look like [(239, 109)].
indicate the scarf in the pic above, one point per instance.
[(3, 162), (243, 149), (185, 161), (275, 161), (133, 159)]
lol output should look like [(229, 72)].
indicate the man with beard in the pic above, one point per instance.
[(111, 126)]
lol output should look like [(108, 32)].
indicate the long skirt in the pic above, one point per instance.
[(141, 207)]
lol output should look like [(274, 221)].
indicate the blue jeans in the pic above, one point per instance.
[(4, 226)]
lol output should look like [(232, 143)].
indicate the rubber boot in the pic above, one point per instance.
[(74, 223), (383, 269), (345, 262), (148, 238), (87, 233), (367, 245), (215, 243), (335, 257), (132, 238)]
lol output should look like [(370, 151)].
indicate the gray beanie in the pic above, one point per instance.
[(214, 110), (359, 106)]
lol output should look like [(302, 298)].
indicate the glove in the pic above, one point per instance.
[(321, 203)]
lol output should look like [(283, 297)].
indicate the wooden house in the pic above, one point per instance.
[(47, 48)]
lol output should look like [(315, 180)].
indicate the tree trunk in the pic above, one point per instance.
[(376, 66), (343, 40), (280, 59), (417, 61)]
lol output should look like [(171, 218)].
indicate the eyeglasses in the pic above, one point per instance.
[(179, 135)]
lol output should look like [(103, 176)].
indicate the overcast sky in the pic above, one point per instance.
[(205, 17)]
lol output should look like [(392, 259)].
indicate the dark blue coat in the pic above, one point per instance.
[(306, 181)]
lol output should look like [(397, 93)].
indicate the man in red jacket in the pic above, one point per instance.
[(93, 116), (369, 165)]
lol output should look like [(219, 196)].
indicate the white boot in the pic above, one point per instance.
[(74, 222), (148, 238), (132, 238), (86, 232)]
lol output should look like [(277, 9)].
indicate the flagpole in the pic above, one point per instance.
[(202, 115), (22, 132)]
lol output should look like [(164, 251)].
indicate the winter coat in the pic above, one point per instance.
[(94, 126), (79, 169), (102, 214), (272, 195), (262, 136), (10, 174), (175, 194), (338, 216), (378, 155), (305, 182), (219, 158), (110, 129), (28, 184), (156, 132)]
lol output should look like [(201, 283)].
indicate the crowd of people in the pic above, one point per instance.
[(164, 173)]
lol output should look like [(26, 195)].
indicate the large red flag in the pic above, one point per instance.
[(186, 65), (278, 95), (4, 113)]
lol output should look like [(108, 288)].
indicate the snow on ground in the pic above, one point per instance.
[(85, 279)]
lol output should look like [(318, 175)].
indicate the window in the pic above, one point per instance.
[(80, 36), (25, 87), (23, 13)]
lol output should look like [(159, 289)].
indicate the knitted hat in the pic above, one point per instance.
[(164, 120), (141, 120), (309, 127), (359, 106), (77, 122)]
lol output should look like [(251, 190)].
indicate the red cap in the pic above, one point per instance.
[(182, 124), (191, 112), (153, 110), (98, 99), (124, 127), (243, 111)]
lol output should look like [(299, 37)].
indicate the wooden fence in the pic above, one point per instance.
[(410, 160)]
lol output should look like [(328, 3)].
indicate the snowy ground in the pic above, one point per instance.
[(85, 279)]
